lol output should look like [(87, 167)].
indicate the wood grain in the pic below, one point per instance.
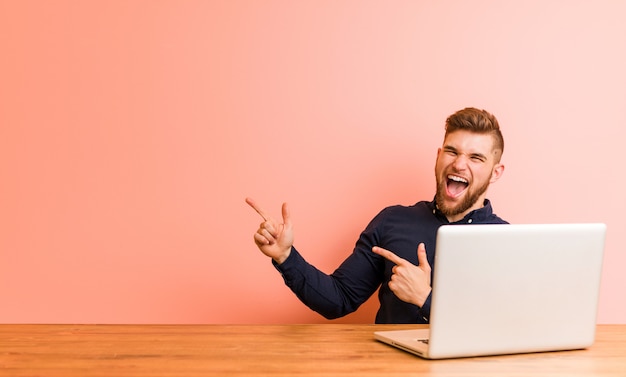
[(269, 350)]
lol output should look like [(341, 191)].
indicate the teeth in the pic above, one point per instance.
[(457, 179)]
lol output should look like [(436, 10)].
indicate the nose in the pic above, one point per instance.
[(460, 162)]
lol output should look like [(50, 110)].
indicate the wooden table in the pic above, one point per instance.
[(269, 350)]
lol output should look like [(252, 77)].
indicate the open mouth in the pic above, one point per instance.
[(455, 185)]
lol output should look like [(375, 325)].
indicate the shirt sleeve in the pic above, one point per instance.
[(424, 311), (334, 295)]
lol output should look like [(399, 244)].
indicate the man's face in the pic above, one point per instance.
[(466, 164)]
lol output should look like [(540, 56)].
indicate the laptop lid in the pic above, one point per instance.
[(500, 289)]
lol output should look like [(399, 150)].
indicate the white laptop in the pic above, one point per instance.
[(504, 289)]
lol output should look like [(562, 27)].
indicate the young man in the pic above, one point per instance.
[(396, 250)]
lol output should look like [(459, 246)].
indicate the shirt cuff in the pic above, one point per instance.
[(424, 311), (292, 261)]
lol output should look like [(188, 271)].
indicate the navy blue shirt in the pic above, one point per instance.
[(398, 229)]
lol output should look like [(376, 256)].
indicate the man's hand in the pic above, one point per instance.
[(410, 283), (272, 238)]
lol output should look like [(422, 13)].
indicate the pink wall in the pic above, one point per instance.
[(132, 131)]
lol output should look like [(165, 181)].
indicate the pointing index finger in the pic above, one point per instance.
[(258, 209), (390, 256)]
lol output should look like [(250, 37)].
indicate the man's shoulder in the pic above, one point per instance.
[(407, 210), (495, 219), (486, 215)]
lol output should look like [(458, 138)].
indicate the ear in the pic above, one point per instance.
[(496, 173), (437, 160)]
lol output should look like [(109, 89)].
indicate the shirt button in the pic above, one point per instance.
[(469, 221)]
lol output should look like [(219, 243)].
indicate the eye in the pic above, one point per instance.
[(450, 151), (477, 158)]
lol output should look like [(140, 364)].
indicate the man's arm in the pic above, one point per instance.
[(332, 296)]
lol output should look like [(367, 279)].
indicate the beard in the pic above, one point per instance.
[(471, 197)]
